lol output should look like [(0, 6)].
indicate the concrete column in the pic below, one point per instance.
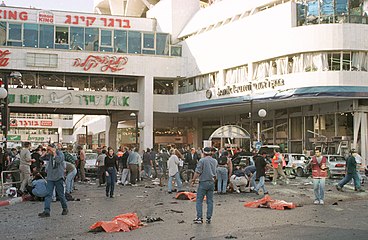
[(146, 112), (113, 134), (197, 134)]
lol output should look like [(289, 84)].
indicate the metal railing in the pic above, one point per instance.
[(3, 184)]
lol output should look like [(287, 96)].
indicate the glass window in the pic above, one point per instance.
[(77, 82), (327, 7), (176, 51), (106, 38), (334, 61), (162, 44), (301, 14), (101, 83), (15, 32), (134, 42), (51, 80), (341, 7), (2, 33), (30, 33), (165, 87), (46, 36), (120, 41), (62, 37), (125, 84), (148, 43), (76, 38), (346, 62), (92, 36), (355, 7)]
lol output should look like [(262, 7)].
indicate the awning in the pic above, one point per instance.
[(229, 131)]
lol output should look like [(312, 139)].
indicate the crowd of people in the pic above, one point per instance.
[(49, 172)]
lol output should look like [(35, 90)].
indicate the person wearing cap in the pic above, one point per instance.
[(206, 172), (351, 173), (55, 175), (239, 180)]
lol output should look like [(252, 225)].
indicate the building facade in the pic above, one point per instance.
[(186, 70)]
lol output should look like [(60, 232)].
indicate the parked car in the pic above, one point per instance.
[(296, 163), (90, 166), (336, 165)]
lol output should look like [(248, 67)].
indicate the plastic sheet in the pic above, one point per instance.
[(268, 202), (124, 222)]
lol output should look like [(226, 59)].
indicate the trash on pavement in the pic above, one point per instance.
[(124, 222), (268, 202), (176, 211), (152, 219)]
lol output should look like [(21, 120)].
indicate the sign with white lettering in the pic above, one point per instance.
[(251, 87)]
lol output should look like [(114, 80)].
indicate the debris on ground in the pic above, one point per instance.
[(268, 202), (335, 203), (159, 204), (231, 237), (124, 222), (152, 219), (147, 186), (176, 211), (182, 221)]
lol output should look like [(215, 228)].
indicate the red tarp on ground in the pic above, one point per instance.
[(268, 202), (186, 196), (123, 222)]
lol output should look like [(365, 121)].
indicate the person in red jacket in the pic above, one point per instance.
[(319, 174)]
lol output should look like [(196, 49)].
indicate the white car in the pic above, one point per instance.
[(90, 166)]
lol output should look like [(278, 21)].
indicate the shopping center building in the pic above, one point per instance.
[(186, 69)]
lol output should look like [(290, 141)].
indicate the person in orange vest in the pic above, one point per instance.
[(277, 164), (319, 174)]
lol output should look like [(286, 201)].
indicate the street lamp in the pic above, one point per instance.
[(5, 113), (85, 126), (135, 116), (261, 113)]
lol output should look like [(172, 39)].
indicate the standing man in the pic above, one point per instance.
[(261, 164), (133, 162), (125, 174), (206, 171), (25, 165), (81, 163), (277, 164), (55, 174), (147, 163), (191, 158), (351, 173), (100, 163), (319, 174)]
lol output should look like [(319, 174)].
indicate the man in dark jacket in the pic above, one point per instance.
[(351, 173), (191, 158), (261, 163)]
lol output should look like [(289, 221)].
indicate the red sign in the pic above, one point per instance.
[(13, 15), (45, 17), (89, 21), (30, 123), (106, 62), (4, 61)]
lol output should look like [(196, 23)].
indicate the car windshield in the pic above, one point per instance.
[(337, 159), (91, 156)]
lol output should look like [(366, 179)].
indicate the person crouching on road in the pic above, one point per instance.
[(351, 173), (111, 166), (55, 175), (319, 174), (206, 171), (238, 180), (173, 166)]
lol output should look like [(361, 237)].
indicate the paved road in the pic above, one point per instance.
[(347, 219)]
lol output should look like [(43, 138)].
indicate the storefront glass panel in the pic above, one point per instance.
[(30, 35), (91, 36), (46, 36), (120, 41), (76, 38), (134, 42)]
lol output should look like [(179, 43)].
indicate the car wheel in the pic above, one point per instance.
[(299, 172)]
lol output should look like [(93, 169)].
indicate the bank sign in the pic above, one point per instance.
[(68, 99), (255, 86)]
